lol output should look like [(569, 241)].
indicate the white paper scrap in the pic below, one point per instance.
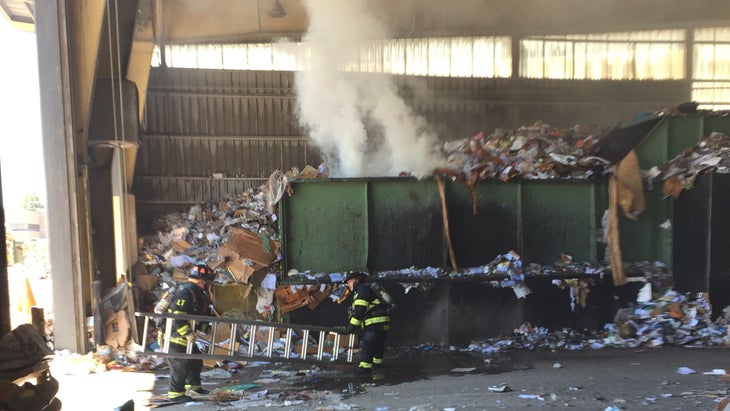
[(685, 371)]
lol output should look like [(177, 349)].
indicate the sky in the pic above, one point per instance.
[(21, 150)]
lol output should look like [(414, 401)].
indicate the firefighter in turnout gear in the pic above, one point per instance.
[(370, 319), (188, 299)]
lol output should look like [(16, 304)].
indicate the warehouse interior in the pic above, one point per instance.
[(155, 105)]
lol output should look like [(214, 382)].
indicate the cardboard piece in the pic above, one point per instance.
[(240, 271), (179, 275), (290, 298), (180, 245), (229, 297), (311, 349), (116, 329), (146, 282), (631, 188), (261, 339), (220, 349), (672, 187), (318, 294), (222, 332), (286, 294), (308, 172), (295, 305), (250, 246)]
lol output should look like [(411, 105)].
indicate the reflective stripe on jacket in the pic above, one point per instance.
[(367, 309), (188, 300)]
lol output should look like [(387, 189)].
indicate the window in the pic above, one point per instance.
[(644, 55), (445, 57), (711, 68)]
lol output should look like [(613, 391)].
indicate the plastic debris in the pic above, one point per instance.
[(671, 319), (711, 154), (539, 151), (464, 370), (499, 388)]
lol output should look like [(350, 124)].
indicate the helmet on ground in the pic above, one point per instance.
[(202, 271), (353, 274)]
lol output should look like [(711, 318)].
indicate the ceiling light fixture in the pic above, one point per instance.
[(277, 10)]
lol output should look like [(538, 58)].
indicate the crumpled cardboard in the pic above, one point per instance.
[(615, 256), (239, 269), (228, 297), (290, 298), (630, 186), (180, 245), (146, 282), (251, 246), (116, 329), (318, 294), (672, 187), (246, 252)]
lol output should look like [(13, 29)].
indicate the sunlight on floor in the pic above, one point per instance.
[(105, 391)]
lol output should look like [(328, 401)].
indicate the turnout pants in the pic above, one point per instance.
[(372, 345), (183, 371)]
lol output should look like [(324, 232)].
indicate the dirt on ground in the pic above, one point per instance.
[(426, 378)]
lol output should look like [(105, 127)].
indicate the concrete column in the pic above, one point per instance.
[(62, 175)]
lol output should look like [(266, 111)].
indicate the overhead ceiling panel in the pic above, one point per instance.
[(19, 11), (208, 21), (204, 21)]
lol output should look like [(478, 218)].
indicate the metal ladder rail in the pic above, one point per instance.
[(254, 326)]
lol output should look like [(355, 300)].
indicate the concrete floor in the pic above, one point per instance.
[(415, 380)]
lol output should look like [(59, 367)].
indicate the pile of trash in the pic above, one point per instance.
[(532, 152), (672, 319), (506, 267), (711, 154)]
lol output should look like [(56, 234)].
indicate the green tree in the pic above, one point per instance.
[(32, 202)]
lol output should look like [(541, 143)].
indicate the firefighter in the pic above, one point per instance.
[(191, 299), (369, 318)]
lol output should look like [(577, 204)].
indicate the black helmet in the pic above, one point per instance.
[(202, 271), (353, 274)]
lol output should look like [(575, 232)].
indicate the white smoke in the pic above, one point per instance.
[(362, 125)]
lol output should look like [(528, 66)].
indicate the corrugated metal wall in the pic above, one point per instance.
[(209, 134), (461, 107), (242, 124)]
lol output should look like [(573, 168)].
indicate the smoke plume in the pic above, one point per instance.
[(362, 125)]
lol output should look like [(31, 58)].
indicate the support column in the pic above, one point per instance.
[(65, 180)]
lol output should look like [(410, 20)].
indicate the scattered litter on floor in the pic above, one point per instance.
[(463, 370), (499, 388)]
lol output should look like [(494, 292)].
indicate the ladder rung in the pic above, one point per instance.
[(213, 334), (251, 339), (232, 340), (305, 343), (336, 347), (253, 350), (270, 341), (320, 346), (350, 348), (287, 343)]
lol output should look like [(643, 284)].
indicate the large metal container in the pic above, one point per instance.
[(391, 223)]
